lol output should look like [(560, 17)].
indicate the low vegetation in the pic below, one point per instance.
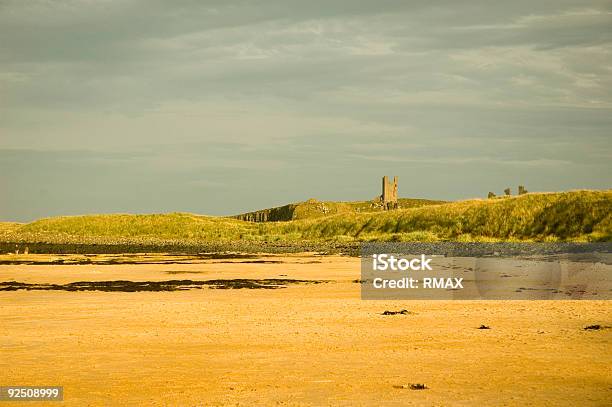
[(565, 216), (313, 208), (576, 215)]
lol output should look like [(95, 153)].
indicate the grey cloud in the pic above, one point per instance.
[(266, 93)]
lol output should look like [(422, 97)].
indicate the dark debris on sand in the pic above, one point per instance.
[(402, 312), (412, 386), (169, 285), (595, 327)]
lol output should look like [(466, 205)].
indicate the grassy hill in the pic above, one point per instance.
[(576, 215), (317, 209), (565, 216)]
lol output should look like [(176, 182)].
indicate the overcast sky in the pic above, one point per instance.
[(219, 107)]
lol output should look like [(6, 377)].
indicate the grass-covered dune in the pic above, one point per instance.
[(565, 216), (313, 208), (576, 215)]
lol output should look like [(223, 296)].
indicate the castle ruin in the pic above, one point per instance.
[(508, 192), (389, 193)]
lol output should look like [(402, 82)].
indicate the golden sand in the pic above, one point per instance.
[(311, 344)]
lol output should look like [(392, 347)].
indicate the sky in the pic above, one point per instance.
[(220, 107)]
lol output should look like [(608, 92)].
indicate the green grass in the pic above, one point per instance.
[(317, 209), (172, 226), (577, 215), (7, 228), (565, 216)]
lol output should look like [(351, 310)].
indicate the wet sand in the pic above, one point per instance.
[(301, 344)]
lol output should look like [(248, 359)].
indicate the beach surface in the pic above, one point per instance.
[(302, 343)]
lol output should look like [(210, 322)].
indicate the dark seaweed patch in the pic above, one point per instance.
[(595, 327), (170, 285), (129, 258), (412, 386), (401, 312)]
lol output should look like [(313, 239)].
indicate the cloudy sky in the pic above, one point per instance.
[(219, 107)]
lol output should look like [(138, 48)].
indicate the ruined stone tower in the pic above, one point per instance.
[(389, 193)]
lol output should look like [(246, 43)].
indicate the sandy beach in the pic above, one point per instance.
[(302, 344)]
